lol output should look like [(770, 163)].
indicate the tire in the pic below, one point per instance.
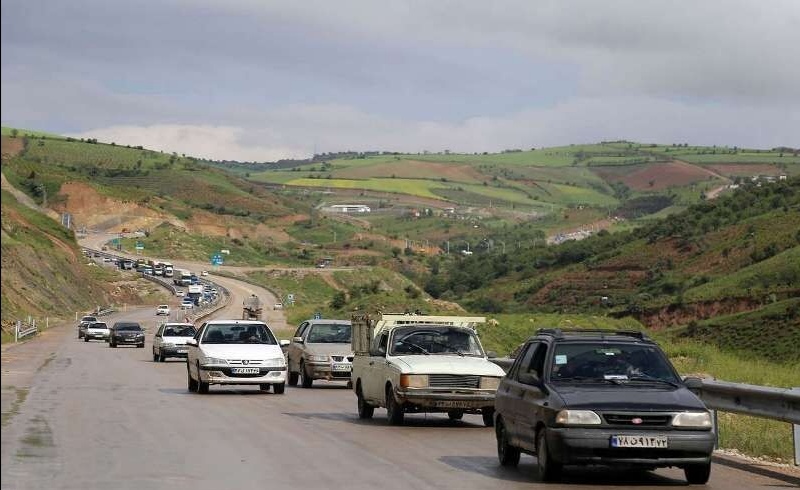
[(112, 344), (548, 469), (279, 388), (192, 383), (455, 414), (488, 417), (506, 453), (155, 356), (394, 412), (293, 378), (140, 346), (365, 410), (85, 338), (161, 357), (697, 474), (305, 379), (202, 387)]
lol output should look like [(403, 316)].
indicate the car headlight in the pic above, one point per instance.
[(318, 358), (489, 382), (692, 419), (414, 380), (213, 360), (577, 417), (276, 362)]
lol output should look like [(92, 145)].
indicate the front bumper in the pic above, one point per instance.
[(593, 446), (324, 370), (224, 376), (128, 340), (443, 400)]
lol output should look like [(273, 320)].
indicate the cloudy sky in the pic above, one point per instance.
[(259, 80)]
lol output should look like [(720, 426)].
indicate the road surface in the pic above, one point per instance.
[(101, 418)]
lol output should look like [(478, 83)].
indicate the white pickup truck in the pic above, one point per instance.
[(419, 363)]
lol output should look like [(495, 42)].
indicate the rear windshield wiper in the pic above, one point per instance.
[(646, 378)]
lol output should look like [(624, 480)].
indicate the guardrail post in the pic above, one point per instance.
[(16, 331), (715, 427)]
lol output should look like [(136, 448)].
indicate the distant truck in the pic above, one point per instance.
[(195, 292), (182, 277), (420, 363), (252, 308), (169, 270)]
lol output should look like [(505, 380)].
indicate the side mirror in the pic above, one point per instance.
[(284, 343), (491, 354), (192, 342), (299, 340), (529, 379), (693, 383)]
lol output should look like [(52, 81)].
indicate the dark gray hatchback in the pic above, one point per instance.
[(598, 397)]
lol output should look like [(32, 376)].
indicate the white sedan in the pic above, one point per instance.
[(235, 352), (162, 310), (170, 340)]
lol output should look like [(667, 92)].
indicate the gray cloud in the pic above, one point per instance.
[(281, 78)]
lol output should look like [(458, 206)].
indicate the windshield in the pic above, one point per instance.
[(427, 340), (163, 307), (129, 327), (238, 334), (179, 331), (580, 362), (330, 334)]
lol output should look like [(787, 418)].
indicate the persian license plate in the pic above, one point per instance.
[(181, 351), (244, 370), (451, 404), (341, 366), (639, 441)]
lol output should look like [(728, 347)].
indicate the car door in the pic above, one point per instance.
[(509, 394), (193, 351), (531, 403), (373, 385), (158, 339), (295, 349)]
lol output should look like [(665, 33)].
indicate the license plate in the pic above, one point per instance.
[(341, 366), (452, 404), (244, 370), (181, 351), (639, 441)]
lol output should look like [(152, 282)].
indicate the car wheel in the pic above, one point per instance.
[(506, 453), (141, 346), (161, 357), (488, 417), (305, 379), (293, 378), (548, 469), (155, 357), (85, 338), (365, 410), (279, 388), (192, 383), (112, 344), (394, 411), (697, 474), (202, 387), (455, 414)]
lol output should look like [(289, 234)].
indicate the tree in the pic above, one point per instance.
[(339, 300), (14, 133)]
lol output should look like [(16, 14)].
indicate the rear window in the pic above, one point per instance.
[(98, 325), (163, 306), (89, 319)]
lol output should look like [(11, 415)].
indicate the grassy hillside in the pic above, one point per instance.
[(41, 266)]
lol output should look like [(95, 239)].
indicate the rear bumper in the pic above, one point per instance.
[(593, 446)]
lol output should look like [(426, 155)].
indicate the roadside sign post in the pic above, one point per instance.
[(290, 299), (139, 247)]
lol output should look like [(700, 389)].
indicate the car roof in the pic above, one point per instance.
[(236, 321), (584, 334), (329, 321), (178, 324)]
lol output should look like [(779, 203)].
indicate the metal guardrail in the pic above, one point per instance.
[(23, 329)]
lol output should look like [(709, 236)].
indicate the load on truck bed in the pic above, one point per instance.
[(252, 308), (422, 363)]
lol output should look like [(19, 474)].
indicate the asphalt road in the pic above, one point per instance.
[(101, 418)]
